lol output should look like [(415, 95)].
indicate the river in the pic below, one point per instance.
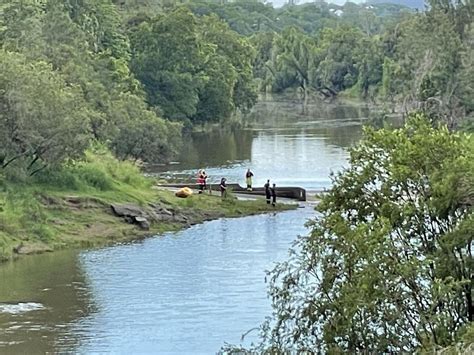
[(191, 291)]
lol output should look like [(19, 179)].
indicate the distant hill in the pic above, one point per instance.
[(414, 4)]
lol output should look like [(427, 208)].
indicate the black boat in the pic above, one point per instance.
[(296, 193)]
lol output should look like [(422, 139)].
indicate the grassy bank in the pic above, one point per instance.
[(71, 207)]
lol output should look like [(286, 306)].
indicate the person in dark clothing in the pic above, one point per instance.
[(204, 180), (274, 195), (223, 187), (268, 194)]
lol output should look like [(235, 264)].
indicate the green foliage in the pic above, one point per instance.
[(193, 68), (135, 132), (428, 66), (166, 59), (99, 170), (43, 121), (293, 58), (337, 67), (125, 172), (263, 44), (388, 265), (250, 17), (101, 24), (195, 64), (466, 73), (81, 46), (329, 49)]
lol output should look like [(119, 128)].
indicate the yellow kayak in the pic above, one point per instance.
[(184, 192)]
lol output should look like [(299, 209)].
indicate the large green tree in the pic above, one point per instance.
[(337, 67), (43, 121), (294, 58), (193, 69), (167, 59), (234, 54), (83, 41)]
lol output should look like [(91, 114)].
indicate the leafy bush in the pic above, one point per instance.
[(125, 172)]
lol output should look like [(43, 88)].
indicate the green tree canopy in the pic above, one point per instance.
[(83, 44), (193, 68), (43, 121)]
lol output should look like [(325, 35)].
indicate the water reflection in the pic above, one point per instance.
[(215, 148), (41, 297), (280, 143), (179, 293), (187, 292)]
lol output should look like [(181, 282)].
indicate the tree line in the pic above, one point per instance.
[(134, 74), (73, 72)]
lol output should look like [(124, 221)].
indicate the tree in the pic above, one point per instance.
[(390, 84), (388, 264), (294, 56), (167, 59), (337, 68), (236, 55), (20, 23), (466, 73), (136, 132), (263, 44), (43, 121), (429, 67), (193, 69), (369, 58), (82, 43), (101, 23)]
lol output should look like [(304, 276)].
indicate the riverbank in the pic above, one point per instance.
[(101, 202)]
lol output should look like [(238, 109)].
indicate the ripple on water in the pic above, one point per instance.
[(22, 307)]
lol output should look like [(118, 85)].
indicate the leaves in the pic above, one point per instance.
[(193, 68), (43, 121), (74, 84)]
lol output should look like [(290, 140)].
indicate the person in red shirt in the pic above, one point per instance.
[(201, 180)]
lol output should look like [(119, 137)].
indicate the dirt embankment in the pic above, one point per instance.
[(79, 221)]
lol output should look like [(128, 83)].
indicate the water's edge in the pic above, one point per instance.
[(116, 230)]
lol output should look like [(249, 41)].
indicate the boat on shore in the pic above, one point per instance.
[(296, 193)]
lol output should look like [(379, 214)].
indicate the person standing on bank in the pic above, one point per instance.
[(268, 194), (223, 187), (248, 179), (200, 180), (204, 180), (274, 195)]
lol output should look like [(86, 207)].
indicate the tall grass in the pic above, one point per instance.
[(24, 212), (99, 170)]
